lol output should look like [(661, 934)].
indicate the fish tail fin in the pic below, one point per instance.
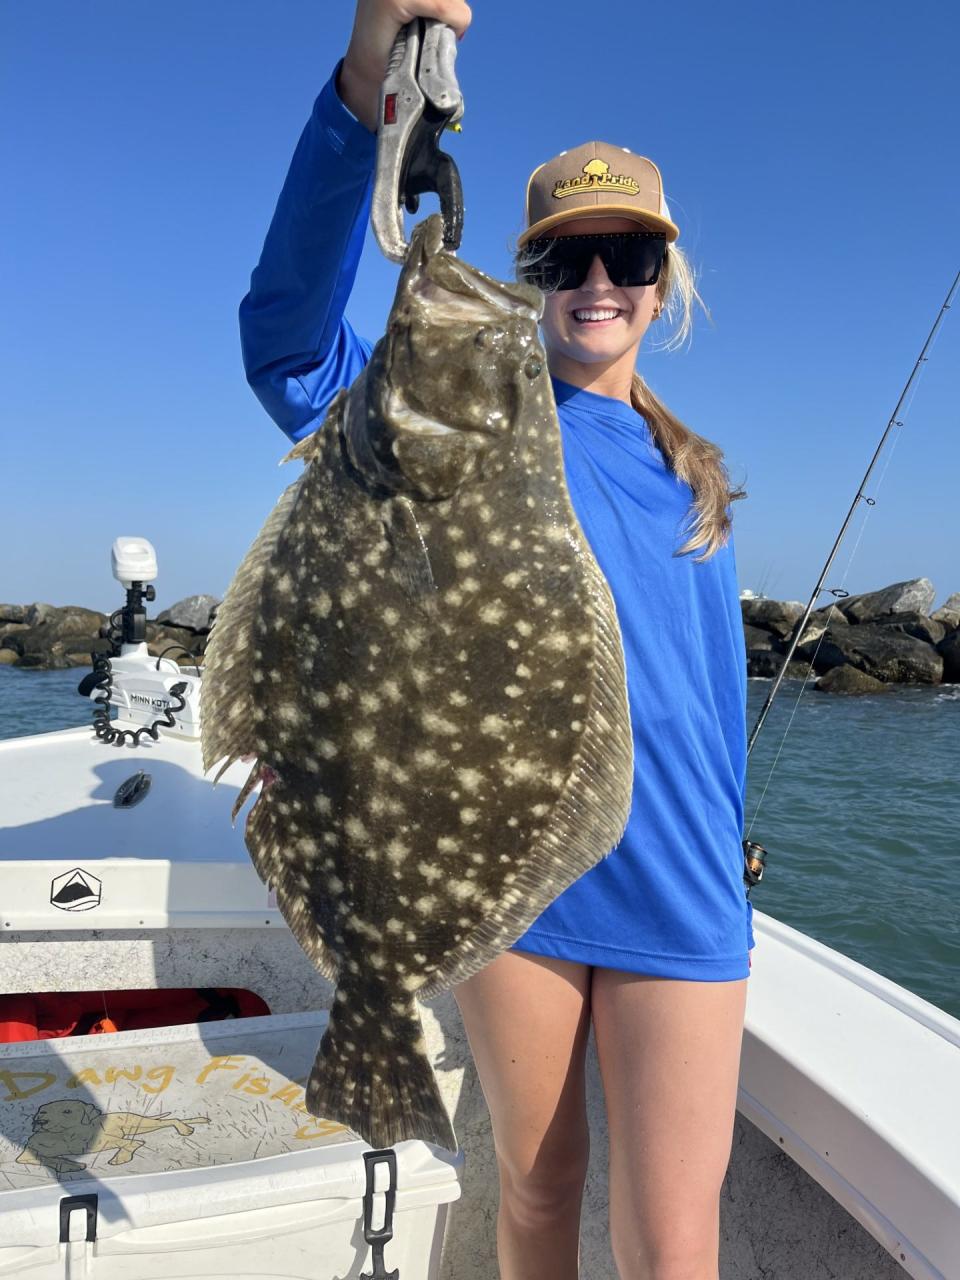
[(385, 1091)]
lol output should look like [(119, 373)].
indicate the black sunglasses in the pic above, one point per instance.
[(630, 258)]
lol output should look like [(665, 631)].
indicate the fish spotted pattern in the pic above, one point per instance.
[(424, 657)]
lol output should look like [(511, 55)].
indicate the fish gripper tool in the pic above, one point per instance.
[(419, 98), (378, 1237)]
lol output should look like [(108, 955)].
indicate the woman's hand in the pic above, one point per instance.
[(375, 28)]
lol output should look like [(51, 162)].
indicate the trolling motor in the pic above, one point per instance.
[(149, 693)]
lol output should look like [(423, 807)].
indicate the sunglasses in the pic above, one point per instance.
[(630, 258)]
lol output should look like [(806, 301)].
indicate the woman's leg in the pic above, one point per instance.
[(527, 1018), (669, 1054)]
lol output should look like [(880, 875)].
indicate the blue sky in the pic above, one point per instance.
[(809, 156)]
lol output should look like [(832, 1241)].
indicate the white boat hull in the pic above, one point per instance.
[(846, 1153)]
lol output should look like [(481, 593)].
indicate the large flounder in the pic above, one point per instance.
[(424, 657)]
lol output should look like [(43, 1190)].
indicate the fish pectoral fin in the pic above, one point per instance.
[(410, 554)]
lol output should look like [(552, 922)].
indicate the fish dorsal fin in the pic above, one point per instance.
[(226, 692)]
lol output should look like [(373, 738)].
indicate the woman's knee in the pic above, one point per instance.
[(543, 1157), (548, 1184), (675, 1247), (527, 1019)]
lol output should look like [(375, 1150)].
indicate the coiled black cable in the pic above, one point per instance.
[(103, 726)]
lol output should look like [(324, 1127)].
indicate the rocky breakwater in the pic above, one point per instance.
[(46, 636), (859, 644)]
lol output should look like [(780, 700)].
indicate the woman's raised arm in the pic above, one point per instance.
[(298, 349)]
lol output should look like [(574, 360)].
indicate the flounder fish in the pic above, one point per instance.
[(423, 656)]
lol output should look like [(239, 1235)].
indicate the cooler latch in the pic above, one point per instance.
[(378, 1236), (86, 1204)]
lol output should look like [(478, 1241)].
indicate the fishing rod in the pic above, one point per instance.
[(754, 854), (895, 421)]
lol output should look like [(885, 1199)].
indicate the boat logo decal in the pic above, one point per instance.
[(75, 890)]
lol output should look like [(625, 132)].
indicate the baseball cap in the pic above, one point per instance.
[(596, 180)]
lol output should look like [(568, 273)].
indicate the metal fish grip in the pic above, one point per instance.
[(420, 97), (379, 1237)]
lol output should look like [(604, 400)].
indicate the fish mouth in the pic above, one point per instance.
[(460, 351), (457, 291), (463, 293)]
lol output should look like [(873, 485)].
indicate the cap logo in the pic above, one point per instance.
[(596, 177)]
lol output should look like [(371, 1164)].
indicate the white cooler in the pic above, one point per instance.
[(188, 1152)]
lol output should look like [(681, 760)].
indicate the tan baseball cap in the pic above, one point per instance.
[(596, 180)]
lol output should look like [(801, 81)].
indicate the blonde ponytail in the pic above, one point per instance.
[(697, 462), (690, 457)]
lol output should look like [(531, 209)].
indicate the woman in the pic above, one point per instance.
[(653, 942)]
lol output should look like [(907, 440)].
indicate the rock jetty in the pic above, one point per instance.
[(862, 643), (857, 644), (46, 636)]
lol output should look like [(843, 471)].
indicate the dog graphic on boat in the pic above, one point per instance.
[(66, 1128)]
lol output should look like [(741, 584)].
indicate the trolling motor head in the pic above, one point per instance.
[(133, 560), (134, 563)]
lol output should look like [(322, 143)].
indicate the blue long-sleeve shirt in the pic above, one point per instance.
[(669, 900), (298, 348)]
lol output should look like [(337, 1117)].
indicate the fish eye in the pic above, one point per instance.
[(533, 367)]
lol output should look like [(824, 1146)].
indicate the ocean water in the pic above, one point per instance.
[(860, 816)]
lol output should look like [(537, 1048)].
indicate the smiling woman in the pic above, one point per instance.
[(596, 315), (594, 322)]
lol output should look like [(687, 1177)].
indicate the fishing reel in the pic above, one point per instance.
[(754, 861)]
